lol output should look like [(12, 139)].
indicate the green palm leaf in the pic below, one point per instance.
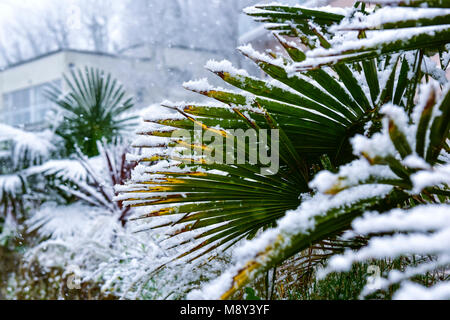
[(95, 108), (317, 101), (339, 217)]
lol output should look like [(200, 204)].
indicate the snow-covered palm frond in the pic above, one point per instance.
[(330, 84), (422, 233), (8, 229), (64, 169), (29, 147), (21, 149), (61, 222), (324, 108), (12, 187), (394, 169), (396, 26)]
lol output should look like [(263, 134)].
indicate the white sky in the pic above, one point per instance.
[(8, 6), (5, 13), (5, 10)]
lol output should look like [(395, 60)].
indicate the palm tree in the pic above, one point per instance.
[(322, 93), (95, 108)]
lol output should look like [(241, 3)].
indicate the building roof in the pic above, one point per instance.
[(50, 53), (105, 54)]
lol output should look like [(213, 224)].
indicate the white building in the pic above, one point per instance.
[(22, 99)]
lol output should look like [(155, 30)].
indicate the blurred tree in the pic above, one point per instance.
[(197, 24), (34, 28)]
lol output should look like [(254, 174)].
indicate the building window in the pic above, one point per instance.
[(27, 106), (17, 107)]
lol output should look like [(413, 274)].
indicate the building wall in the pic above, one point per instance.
[(30, 74), (149, 80), (27, 76), (130, 72)]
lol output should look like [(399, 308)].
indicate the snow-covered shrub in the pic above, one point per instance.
[(91, 180), (20, 150), (92, 245), (91, 237), (64, 198), (25, 148), (81, 231)]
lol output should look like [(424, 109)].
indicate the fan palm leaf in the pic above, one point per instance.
[(95, 108), (399, 188), (316, 106)]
